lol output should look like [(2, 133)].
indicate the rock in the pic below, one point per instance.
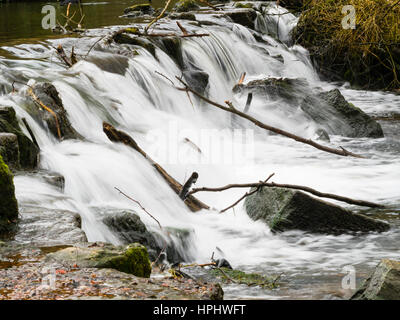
[(292, 5), (382, 284), (182, 16), (42, 226), (241, 5), (49, 96), (140, 9), (8, 202), (173, 47), (328, 109), (245, 17), (54, 178), (123, 38), (186, 5), (129, 229), (132, 259), (28, 151), (331, 110), (9, 150), (285, 209), (197, 80), (275, 88), (216, 292)]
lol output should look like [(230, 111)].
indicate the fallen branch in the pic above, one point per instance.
[(61, 53), (135, 31), (120, 136), (158, 17), (232, 109), (290, 186)]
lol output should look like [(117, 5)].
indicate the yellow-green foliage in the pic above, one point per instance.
[(368, 55)]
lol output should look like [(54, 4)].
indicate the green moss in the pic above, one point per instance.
[(240, 277), (186, 5), (243, 5), (135, 260), (8, 202), (143, 8)]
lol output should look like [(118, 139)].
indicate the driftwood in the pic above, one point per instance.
[(61, 53), (290, 186), (135, 31), (230, 108), (120, 136)]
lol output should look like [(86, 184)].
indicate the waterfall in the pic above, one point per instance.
[(127, 92)]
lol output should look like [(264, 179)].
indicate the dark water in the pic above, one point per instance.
[(21, 22)]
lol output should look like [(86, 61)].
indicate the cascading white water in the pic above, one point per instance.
[(159, 117)]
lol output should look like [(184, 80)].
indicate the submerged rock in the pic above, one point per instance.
[(27, 151), (382, 284), (331, 110), (131, 259), (8, 202), (285, 209), (42, 226), (123, 38), (129, 228), (49, 96)]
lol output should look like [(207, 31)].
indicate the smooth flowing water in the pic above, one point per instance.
[(127, 92)]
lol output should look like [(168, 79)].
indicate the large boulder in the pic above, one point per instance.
[(382, 284), (331, 110), (197, 80), (328, 109), (49, 96), (129, 228), (131, 259), (286, 209), (8, 202), (27, 152)]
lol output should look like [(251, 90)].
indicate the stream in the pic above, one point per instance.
[(127, 92)]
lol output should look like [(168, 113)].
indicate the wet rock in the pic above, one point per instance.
[(9, 150), (28, 151), (8, 202), (173, 47), (143, 8), (129, 228), (328, 109), (132, 259), (331, 110), (135, 41), (186, 5), (382, 284), (49, 96), (289, 89), (285, 209), (55, 179), (292, 5), (216, 292), (182, 16), (245, 17), (42, 226), (196, 79)]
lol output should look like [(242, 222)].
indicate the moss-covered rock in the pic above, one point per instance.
[(8, 202), (186, 5), (123, 38), (241, 5), (129, 228), (240, 277), (382, 284), (131, 259), (28, 151), (143, 8), (9, 150), (286, 209)]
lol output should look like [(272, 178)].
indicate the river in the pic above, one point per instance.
[(145, 105)]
